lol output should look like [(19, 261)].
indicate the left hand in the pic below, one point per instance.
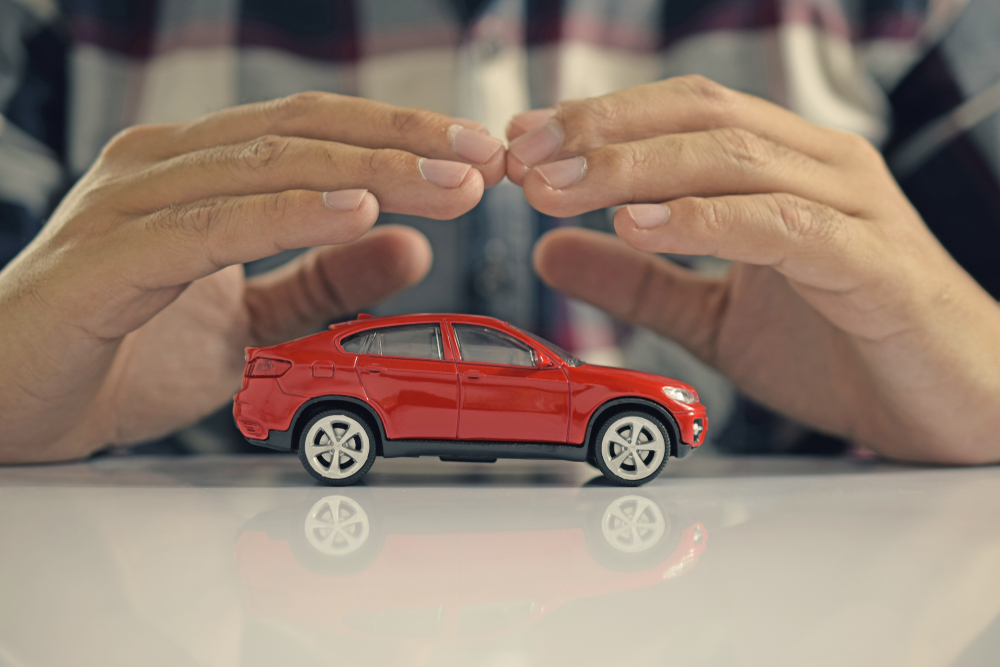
[(841, 309)]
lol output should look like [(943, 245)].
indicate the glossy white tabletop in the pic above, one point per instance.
[(720, 561)]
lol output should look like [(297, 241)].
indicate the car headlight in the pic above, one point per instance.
[(681, 395)]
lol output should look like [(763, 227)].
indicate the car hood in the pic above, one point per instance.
[(592, 373)]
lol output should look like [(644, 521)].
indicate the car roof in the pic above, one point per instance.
[(393, 320)]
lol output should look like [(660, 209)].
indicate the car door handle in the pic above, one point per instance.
[(374, 368), (474, 375)]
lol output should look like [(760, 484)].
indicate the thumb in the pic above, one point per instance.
[(634, 286), (327, 282)]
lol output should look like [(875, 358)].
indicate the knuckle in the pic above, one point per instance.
[(858, 149), (196, 220), (585, 121), (407, 122), (702, 87), (202, 217), (381, 160), (716, 102), (297, 105), (634, 159), (711, 215), (129, 141), (260, 153), (742, 148), (803, 219), (275, 205)]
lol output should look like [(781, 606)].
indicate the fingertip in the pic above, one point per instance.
[(625, 226), (646, 240), (548, 200), (461, 199), (494, 170), (527, 121), (554, 252), (516, 170), (474, 125), (513, 129), (350, 225), (369, 209), (473, 184), (408, 254)]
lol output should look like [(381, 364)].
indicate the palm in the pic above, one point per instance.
[(186, 361), (775, 346)]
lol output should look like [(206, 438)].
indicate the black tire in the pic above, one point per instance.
[(626, 474), (329, 468)]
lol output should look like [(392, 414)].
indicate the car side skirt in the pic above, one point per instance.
[(487, 450)]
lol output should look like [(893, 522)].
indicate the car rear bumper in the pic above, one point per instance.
[(268, 427), (280, 440)]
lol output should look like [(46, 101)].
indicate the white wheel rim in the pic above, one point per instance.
[(337, 526), (633, 447), (337, 446), (632, 524)]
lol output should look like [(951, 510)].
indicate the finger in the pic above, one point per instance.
[(714, 162), (527, 121), (182, 243), (810, 243), (347, 120), (682, 104), (402, 182), (633, 286), (330, 282)]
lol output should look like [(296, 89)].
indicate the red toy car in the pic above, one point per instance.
[(461, 387)]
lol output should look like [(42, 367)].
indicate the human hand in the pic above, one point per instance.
[(840, 309), (127, 317)]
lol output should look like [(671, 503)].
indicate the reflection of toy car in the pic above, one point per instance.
[(418, 567), (459, 387)]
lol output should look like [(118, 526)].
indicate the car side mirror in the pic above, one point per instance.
[(543, 360)]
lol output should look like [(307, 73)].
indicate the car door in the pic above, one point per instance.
[(407, 372), (504, 395)]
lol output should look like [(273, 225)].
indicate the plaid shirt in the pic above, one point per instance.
[(918, 78)]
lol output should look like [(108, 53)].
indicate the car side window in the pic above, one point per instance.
[(422, 341), (356, 343), (484, 345)]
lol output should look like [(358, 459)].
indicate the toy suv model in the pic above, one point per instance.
[(463, 388)]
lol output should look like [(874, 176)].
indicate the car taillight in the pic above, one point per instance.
[(268, 368)]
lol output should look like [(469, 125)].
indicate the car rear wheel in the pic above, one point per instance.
[(631, 448), (337, 447)]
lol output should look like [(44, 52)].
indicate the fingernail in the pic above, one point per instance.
[(444, 173), (529, 120), (647, 216), (563, 173), (473, 125), (473, 146), (533, 147), (344, 200)]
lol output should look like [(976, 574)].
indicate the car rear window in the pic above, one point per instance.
[(421, 341), (356, 343)]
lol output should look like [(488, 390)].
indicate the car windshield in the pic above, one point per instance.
[(563, 354)]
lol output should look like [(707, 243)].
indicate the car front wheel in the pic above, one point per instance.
[(632, 448), (337, 447)]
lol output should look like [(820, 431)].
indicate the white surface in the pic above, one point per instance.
[(210, 561)]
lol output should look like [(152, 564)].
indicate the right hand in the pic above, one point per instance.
[(126, 318)]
